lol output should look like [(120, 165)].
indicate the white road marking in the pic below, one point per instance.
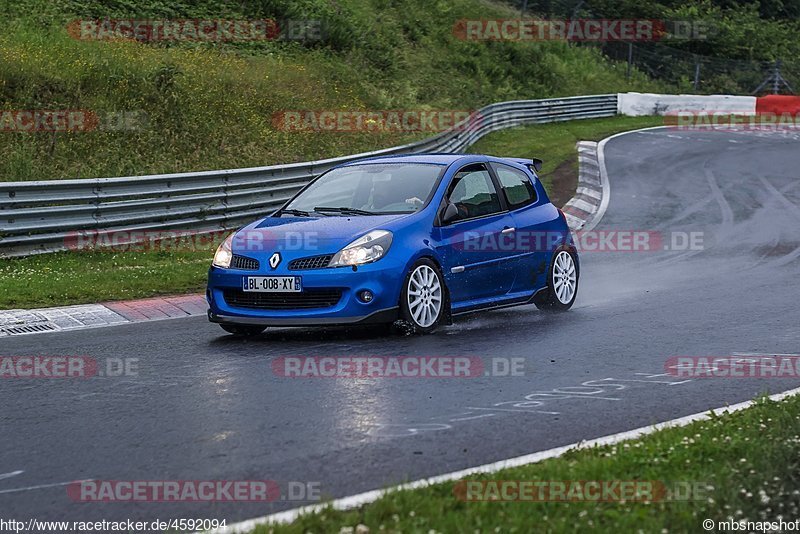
[(361, 499), (513, 410), (472, 417)]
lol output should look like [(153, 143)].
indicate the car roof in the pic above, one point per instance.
[(438, 159)]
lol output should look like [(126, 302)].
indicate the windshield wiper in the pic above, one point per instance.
[(353, 211), (297, 213)]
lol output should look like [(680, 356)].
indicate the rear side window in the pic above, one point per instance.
[(473, 193), (516, 186)]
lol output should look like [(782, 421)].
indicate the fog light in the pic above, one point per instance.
[(365, 295)]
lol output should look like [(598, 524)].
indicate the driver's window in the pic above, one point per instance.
[(473, 193)]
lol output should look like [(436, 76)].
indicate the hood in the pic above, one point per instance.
[(297, 237)]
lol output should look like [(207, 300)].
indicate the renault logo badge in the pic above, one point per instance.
[(275, 259)]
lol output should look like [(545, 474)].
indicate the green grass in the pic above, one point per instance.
[(746, 466), (210, 106), (66, 278), (77, 278)]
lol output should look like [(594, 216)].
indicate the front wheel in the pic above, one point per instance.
[(423, 299), (562, 283), (243, 330)]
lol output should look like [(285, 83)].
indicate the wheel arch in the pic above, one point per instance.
[(429, 254)]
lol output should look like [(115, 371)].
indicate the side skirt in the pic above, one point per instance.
[(499, 305)]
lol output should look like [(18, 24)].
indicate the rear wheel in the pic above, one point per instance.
[(562, 283), (422, 302), (243, 330)]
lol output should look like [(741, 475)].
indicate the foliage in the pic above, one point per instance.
[(210, 105)]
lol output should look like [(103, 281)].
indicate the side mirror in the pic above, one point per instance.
[(450, 213), (537, 164)]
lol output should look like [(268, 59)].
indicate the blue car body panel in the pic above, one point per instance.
[(477, 276)]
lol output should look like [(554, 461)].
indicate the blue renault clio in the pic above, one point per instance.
[(408, 240)]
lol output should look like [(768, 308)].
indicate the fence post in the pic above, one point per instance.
[(630, 60), (776, 78)]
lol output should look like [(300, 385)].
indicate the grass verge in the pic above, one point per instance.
[(77, 278), (66, 278), (743, 466)]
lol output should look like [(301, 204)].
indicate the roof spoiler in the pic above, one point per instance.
[(534, 163)]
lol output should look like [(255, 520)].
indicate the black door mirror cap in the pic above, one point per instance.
[(450, 213)]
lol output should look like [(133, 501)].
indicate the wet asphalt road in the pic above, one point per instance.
[(205, 406)]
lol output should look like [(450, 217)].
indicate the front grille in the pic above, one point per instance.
[(243, 262), (308, 299), (312, 262)]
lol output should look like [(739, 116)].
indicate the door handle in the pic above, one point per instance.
[(508, 230)]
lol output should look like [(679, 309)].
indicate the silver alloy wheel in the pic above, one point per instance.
[(424, 296), (564, 277)]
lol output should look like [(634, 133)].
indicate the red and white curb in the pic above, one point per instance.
[(582, 209), (36, 321)]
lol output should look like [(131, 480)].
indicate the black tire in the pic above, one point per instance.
[(409, 319), (243, 330), (549, 300)]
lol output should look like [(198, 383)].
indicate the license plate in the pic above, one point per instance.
[(272, 284)]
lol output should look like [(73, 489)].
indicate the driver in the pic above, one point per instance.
[(382, 194)]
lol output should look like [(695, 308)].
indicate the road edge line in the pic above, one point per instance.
[(604, 180)]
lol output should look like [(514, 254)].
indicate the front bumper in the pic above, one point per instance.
[(380, 316), (383, 279)]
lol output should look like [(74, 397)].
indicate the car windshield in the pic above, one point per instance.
[(377, 188)]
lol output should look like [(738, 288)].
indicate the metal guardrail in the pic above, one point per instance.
[(42, 216)]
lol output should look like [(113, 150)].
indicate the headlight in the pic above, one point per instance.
[(366, 249), (223, 256)]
